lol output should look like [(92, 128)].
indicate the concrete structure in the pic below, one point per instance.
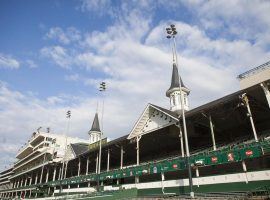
[(229, 141)]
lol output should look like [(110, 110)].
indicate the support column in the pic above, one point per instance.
[(97, 164), (138, 138), (197, 176), (181, 141), (87, 166), (21, 181), (47, 175), (122, 155), (79, 167), (162, 180), (30, 182), (266, 92), (246, 101), (60, 172), (25, 183), (42, 168), (245, 170), (54, 173), (36, 179), (212, 133), (108, 160)]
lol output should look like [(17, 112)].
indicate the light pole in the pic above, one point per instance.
[(171, 34), (102, 88), (68, 116)]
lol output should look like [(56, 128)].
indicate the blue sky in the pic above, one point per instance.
[(53, 55)]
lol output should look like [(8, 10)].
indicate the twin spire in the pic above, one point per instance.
[(95, 132), (95, 125), (174, 92)]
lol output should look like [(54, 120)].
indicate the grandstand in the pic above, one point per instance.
[(229, 141)]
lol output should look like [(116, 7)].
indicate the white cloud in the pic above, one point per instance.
[(31, 64), (58, 54), (98, 7), (71, 34), (7, 61)]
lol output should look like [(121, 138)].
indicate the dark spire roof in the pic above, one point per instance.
[(95, 125), (175, 79)]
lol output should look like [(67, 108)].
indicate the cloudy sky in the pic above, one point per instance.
[(54, 54)]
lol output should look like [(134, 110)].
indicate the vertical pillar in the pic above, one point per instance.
[(36, 178), (87, 166), (25, 183), (245, 98), (138, 149), (54, 173), (108, 160), (181, 141), (245, 170), (266, 92), (79, 166), (197, 175), (162, 179), (47, 175), (212, 133), (122, 155), (59, 175), (42, 168), (138, 138), (30, 182), (97, 164), (21, 182)]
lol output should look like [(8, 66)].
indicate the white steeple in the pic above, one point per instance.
[(95, 132), (174, 92)]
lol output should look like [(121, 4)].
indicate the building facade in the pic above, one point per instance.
[(229, 141)]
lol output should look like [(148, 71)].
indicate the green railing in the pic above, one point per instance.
[(225, 155)]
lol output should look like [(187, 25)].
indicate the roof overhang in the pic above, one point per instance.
[(152, 119)]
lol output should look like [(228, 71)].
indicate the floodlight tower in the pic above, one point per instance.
[(102, 88), (171, 34)]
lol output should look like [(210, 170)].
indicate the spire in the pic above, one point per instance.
[(175, 80), (95, 125)]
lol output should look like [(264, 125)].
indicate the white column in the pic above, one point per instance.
[(181, 141), (245, 98), (54, 173), (79, 167), (266, 92), (108, 160), (138, 138), (197, 175), (245, 170), (25, 183), (87, 166), (121, 161), (162, 180), (47, 175), (97, 164), (212, 133), (36, 179), (60, 172), (30, 182), (138, 149)]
